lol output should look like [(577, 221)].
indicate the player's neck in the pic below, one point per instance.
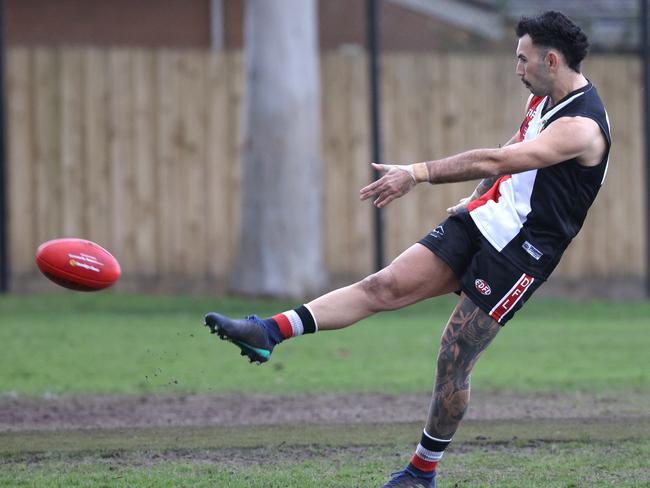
[(565, 85)]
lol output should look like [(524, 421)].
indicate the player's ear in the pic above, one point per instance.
[(552, 60)]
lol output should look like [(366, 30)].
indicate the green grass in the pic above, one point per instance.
[(489, 453), (545, 465), (73, 343)]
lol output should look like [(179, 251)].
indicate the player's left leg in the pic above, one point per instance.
[(468, 332), (414, 275)]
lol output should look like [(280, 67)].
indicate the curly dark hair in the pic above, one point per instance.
[(555, 30)]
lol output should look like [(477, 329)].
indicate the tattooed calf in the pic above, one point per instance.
[(468, 333)]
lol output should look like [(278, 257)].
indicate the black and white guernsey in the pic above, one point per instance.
[(531, 217)]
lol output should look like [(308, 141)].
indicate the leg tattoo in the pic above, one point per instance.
[(466, 336)]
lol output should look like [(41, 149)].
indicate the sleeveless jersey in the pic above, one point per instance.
[(531, 217)]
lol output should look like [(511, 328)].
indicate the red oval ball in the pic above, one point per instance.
[(77, 264)]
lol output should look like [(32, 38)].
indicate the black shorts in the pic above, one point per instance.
[(492, 282)]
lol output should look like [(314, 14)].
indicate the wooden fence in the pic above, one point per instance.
[(139, 150)]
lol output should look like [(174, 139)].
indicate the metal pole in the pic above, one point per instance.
[(372, 14), (4, 254), (216, 25), (645, 63)]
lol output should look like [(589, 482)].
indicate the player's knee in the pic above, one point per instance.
[(452, 369), (457, 355), (447, 361), (382, 290), (455, 345)]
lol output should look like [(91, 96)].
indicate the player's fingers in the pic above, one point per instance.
[(383, 199), (378, 185), (366, 192), (371, 190)]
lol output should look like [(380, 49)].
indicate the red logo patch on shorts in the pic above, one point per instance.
[(482, 287)]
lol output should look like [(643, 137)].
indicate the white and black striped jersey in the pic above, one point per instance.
[(531, 217)]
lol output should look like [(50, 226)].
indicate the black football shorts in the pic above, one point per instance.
[(494, 284)]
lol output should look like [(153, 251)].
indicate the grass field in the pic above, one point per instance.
[(560, 454), (79, 344)]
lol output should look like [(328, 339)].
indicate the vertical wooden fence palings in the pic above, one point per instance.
[(139, 150)]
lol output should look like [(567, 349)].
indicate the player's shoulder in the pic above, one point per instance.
[(585, 107), (585, 99), (571, 124)]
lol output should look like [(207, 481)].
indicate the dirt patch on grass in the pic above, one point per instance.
[(229, 458), (90, 412)]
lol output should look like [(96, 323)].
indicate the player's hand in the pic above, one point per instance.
[(393, 184), (460, 207)]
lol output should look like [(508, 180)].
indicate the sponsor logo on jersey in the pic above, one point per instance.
[(532, 250), (482, 287)]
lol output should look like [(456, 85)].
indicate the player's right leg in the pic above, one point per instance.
[(414, 275), (468, 333)]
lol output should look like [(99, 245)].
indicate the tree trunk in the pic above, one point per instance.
[(279, 247)]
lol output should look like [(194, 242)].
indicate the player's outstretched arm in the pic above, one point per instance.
[(397, 180), (564, 139)]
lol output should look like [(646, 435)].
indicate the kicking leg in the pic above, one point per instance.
[(414, 275)]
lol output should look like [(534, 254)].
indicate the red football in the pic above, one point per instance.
[(77, 264)]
